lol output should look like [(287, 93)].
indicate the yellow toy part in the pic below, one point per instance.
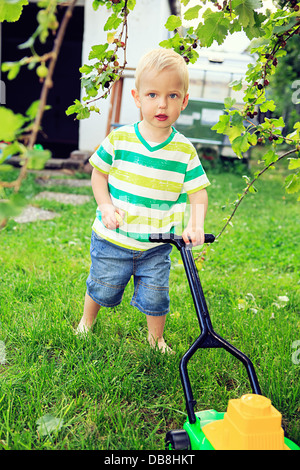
[(250, 423), (119, 219)]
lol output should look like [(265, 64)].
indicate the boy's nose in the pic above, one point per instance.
[(162, 103)]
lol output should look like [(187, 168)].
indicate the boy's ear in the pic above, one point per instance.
[(136, 97), (185, 102)]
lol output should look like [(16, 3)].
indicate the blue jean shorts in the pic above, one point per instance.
[(112, 267)]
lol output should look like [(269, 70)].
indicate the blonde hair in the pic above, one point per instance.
[(159, 59)]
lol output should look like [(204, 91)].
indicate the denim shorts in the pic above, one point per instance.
[(112, 267)]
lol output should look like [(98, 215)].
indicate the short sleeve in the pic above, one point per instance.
[(103, 157), (195, 177)]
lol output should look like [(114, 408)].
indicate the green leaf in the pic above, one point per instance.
[(166, 43), (48, 424), (3, 156), (33, 109), (223, 125), (279, 29), (193, 56), (229, 102), (27, 44), (237, 126), (255, 30), (237, 120), (268, 106), (270, 157), (78, 108), (292, 184), (89, 85), (73, 108), (98, 51), (37, 158), (16, 148), (240, 144), (10, 124), (278, 122), (11, 10), (86, 69), (173, 42), (295, 136), (233, 133), (245, 11), (215, 27), (252, 139), (131, 4), (236, 85), (113, 22), (173, 22), (294, 163), (12, 68), (192, 13), (234, 26), (252, 189), (97, 4)]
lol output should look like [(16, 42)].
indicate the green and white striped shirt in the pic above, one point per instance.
[(149, 183)]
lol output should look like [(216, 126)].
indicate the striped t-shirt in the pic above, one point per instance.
[(149, 183)]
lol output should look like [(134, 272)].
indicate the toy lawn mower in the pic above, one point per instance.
[(250, 422)]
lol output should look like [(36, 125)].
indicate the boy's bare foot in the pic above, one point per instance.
[(161, 345), (82, 329)]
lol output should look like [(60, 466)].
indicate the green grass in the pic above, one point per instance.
[(111, 391)]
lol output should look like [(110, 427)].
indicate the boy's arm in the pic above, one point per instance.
[(194, 232), (101, 193)]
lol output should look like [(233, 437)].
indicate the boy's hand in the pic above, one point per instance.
[(194, 236), (194, 232), (111, 216)]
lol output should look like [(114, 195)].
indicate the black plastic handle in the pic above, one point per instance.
[(176, 239)]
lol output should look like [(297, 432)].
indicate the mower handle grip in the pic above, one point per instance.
[(176, 239)]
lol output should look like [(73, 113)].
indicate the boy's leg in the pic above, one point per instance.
[(90, 312), (156, 326), (151, 293)]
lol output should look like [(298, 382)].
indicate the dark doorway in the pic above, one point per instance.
[(59, 132)]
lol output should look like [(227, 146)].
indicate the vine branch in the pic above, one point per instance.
[(250, 185), (286, 154), (122, 67)]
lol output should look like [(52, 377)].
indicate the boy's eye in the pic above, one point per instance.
[(173, 96), (152, 95)]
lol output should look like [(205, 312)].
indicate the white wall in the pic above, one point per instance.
[(145, 31)]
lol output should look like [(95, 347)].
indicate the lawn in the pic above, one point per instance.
[(111, 391)]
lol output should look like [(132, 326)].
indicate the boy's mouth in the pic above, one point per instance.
[(161, 117)]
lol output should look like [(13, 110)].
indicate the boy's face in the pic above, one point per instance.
[(160, 97)]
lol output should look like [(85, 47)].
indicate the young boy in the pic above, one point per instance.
[(141, 177)]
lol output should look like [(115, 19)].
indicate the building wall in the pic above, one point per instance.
[(145, 31)]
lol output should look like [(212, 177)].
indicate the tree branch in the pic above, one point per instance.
[(45, 90)]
